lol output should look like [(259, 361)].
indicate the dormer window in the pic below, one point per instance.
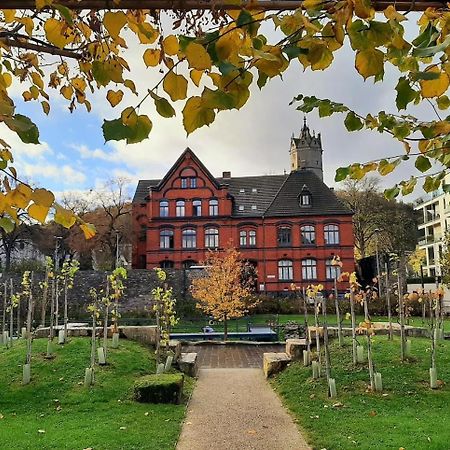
[(305, 198)]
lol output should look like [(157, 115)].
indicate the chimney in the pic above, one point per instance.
[(226, 175)]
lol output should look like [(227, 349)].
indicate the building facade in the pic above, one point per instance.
[(433, 222), (288, 226)]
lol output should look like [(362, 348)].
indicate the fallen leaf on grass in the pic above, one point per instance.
[(372, 413), (41, 431), (146, 414), (122, 428), (338, 405), (2, 416)]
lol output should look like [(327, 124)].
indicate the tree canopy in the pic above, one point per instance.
[(208, 62)]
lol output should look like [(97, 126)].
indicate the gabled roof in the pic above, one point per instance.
[(183, 156), (324, 200)]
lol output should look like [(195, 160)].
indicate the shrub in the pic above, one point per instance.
[(159, 388)]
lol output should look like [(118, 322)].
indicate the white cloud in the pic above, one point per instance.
[(65, 174)]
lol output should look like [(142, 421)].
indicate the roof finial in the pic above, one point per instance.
[(304, 121)]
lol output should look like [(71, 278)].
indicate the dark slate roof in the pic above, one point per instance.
[(324, 200), (143, 189), (272, 195), (243, 191)]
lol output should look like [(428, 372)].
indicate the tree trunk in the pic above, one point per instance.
[(5, 295), (338, 313), (105, 320), (325, 341), (11, 313), (388, 300), (29, 320), (225, 328), (8, 251), (369, 347), (352, 313), (158, 338), (56, 302), (18, 324), (316, 323), (44, 299), (402, 318), (305, 311), (66, 312)]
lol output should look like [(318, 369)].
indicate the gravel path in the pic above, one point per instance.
[(236, 409)]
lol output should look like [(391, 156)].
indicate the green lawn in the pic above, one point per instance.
[(407, 414), (73, 417)]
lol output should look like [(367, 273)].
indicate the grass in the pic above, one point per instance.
[(103, 417), (407, 414)]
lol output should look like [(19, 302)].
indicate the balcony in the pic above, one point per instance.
[(424, 240), (429, 217)]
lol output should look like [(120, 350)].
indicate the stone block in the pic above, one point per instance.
[(175, 347), (295, 347), (188, 364), (274, 363), (143, 334), (159, 388)]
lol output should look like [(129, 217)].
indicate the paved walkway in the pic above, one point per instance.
[(213, 356), (236, 409)]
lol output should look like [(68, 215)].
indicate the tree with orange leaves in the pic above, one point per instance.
[(223, 292)]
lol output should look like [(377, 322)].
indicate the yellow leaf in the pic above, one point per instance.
[(20, 196), (197, 56), (196, 76), (67, 92), (434, 88), (29, 24), (175, 86), (129, 117), (64, 217), (43, 197), (114, 97), (228, 44), (45, 107), (38, 212), (58, 33), (88, 230), (114, 22), (131, 86), (37, 80), (363, 9), (195, 115), (369, 62), (9, 15), (391, 13), (170, 45), (79, 84), (152, 57), (42, 3)]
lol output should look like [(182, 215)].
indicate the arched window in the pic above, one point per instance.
[(181, 210), (332, 270), (243, 238), (163, 208), (252, 238), (212, 238), (331, 234), (285, 271), (309, 269), (188, 264), (197, 208), (308, 235), (166, 264), (189, 238), (213, 207), (166, 239), (284, 236)]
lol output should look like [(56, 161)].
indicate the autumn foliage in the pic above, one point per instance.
[(223, 292)]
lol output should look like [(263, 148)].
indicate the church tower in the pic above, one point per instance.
[(306, 151)]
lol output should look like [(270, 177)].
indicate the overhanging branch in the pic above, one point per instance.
[(19, 43), (401, 5)]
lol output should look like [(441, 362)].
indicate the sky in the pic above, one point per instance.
[(73, 156)]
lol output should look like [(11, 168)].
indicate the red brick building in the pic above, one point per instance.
[(289, 226)]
